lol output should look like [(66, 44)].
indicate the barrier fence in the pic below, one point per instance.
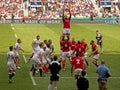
[(59, 21)]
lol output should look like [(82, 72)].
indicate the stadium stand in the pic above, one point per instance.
[(52, 9)]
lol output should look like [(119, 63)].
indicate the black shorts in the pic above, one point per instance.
[(54, 77), (99, 43)]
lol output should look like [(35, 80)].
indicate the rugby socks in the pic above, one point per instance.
[(10, 75), (87, 62), (32, 67), (96, 64), (34, 70), (55, 88), (63, 64), (45, 68), (40, 70), (49, 87)]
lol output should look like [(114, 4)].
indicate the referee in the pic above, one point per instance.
[(103, 74), (54, 67)]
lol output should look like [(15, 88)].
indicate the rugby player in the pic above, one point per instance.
[(95, 52), (17, 48), (66, 17), (11, 63)]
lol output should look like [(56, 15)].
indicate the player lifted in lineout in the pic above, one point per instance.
[(66, 17)]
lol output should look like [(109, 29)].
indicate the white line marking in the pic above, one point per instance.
[(73, 77), (24, 58), (33, 80), (16, 36), (11, 25), (13, 28)]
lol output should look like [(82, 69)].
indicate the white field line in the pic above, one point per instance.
[(87, 77), (32, 78), (24, 58), (13, 28), (11, 25), (14, 32), (16, 35)]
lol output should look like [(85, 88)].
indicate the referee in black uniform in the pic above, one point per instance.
[(99, 38), (54, 67)]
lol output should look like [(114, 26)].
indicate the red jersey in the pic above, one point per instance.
[(79, 49), (66, 46), (94, 47), (66, 23), (73, 45), (78, 63), (84, 44)]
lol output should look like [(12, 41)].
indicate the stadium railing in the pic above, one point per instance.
[(59, 21)]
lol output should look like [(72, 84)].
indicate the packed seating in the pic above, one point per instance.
[(9, 7)]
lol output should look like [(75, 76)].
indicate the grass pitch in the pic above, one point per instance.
[(27, 32)]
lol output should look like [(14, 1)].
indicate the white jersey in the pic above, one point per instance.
[(41, 51), (17, 47), (36, 43), (10, 61), (36, 56), (10, 56), (47, 52)]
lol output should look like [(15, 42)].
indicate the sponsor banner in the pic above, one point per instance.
[(59, 21)]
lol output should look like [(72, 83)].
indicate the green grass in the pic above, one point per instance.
[(27, 33)]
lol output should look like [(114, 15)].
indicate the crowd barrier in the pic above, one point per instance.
[(59, 21)]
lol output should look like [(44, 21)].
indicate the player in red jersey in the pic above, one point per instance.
[(78, 64), (66, 47), (73, 47), (85, 48), (79, 49), (66, 17), (73, 44), (95, 52)]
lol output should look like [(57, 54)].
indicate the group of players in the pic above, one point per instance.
[(75, 51)]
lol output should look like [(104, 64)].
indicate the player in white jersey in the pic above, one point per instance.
[(38, 59), (17, 47), (35, 45), (11, 63), (35, 48), (51, 45)]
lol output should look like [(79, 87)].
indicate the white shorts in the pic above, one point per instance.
[(36, 60), (16, 53), (11, 66), (66, 30), (35, 50), (96, 56), (66, 54), (78, 71), (44, 61)]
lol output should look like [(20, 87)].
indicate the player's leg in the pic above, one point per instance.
[(85, 58), (51, 81), (34, 69), (95, 59), (40, 69), (12, 69), (17, 59), (63, 60), (101, 47), (44, 66), (56, 79), (55, 85)]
